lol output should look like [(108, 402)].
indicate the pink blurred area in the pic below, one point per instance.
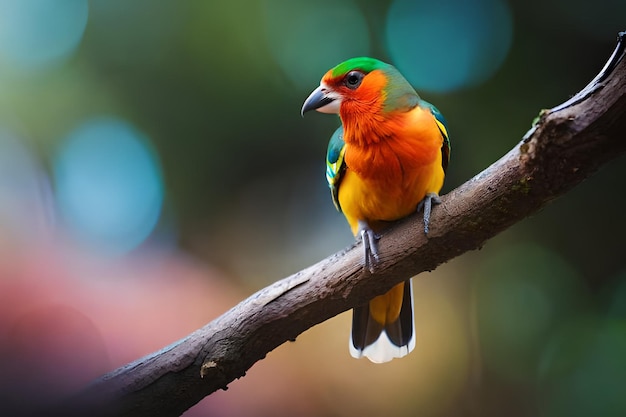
[(67, 317)]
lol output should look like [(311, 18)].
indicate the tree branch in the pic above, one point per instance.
[(566, 145)]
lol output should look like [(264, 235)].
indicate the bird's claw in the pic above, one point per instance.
[(370, 248), (426, 206)]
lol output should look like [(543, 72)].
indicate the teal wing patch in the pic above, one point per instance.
[(443, 128), (335, 165)]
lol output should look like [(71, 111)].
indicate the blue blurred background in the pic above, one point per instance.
[(155, 170)]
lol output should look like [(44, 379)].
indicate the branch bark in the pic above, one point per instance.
[(566, 145)]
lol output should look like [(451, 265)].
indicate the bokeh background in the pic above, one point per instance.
[(155, 170)]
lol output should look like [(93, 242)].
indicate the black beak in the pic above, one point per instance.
[(317, 99)]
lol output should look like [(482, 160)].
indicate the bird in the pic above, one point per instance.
[(386, 160)]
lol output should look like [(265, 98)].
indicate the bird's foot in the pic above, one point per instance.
[(426, 206), (370, 246)]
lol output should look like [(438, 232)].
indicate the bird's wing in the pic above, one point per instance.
[(335, 165)]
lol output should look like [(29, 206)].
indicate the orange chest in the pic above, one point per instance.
[(394, 152), (390, 164)]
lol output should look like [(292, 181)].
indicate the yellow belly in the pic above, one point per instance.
[(374, 202)]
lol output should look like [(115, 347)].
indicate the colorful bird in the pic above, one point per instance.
[(387, 160)]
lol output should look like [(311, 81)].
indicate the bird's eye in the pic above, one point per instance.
[(353, 79)]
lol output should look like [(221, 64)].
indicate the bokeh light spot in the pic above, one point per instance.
[(35, 34), (450, 44), (306, 38), (109, 184)]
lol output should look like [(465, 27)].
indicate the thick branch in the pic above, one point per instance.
[(566, 145)]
